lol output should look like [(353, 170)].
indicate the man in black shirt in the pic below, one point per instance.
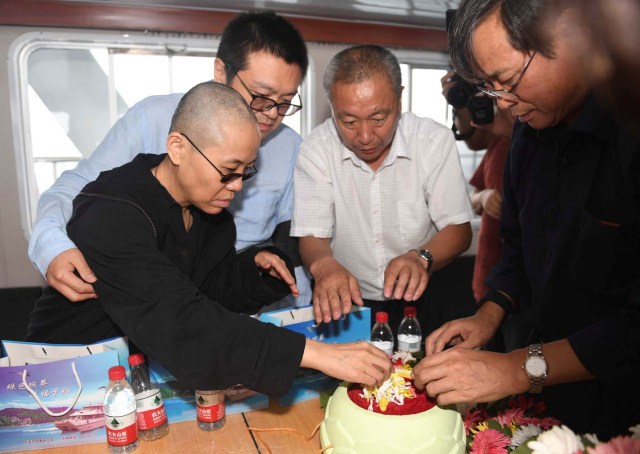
[(570, 228)]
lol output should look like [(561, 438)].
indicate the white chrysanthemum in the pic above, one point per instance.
[(523, 434), (393, 390), (592, 438), (558, 440), (404, 356), (635, 431)]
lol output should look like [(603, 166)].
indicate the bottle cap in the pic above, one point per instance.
[(117, 373), (410, 311), (382, 317), (135, 359)]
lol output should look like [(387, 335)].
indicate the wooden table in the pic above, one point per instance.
[(234, 437)]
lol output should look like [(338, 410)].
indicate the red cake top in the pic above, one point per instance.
[(396, 396)]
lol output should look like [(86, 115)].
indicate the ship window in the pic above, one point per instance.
[(68, 89), (422, 95)]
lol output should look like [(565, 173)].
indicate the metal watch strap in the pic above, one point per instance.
[(536, 382), (426, 255)]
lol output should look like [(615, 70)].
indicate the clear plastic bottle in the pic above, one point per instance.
[(409, 332), (381, 335), (210, 409), (120, 413), (152, 417)]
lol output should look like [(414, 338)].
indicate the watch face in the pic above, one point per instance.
[(536, 366)]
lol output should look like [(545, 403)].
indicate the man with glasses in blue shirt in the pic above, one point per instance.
[(264, 58), (570, 231)]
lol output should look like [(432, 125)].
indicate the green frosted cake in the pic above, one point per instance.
[(389, 419)]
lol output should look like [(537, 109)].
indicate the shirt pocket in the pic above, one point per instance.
[(414, 222), (603, 253)]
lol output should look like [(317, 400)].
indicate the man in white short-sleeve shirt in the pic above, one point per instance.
[(380, 199)]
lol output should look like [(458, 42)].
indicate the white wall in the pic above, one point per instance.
[(15, 268)]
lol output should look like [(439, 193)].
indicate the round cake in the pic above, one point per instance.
[(359, 420)]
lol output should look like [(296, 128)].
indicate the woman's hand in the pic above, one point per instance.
[(357, 362), (270, 263)]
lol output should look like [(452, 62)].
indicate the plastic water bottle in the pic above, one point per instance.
[(409, 332), (152, 417), (210, 409), (381, 335), (120, 413)]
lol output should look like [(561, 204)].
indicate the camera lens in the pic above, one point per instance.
[(481, 108), (459, 94)]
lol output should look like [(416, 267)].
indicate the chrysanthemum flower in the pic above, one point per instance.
[(617, 445), (523, 434), (558, 440), (489, 441)]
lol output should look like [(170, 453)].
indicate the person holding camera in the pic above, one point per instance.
[(474, 122)]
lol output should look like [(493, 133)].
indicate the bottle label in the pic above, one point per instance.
[(409, 343), (121, 430), (210, 407), (150, 409), (385, 346)]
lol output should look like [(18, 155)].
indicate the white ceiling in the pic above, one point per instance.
[(422, 13)]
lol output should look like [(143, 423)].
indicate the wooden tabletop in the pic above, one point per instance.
[(234, 437)]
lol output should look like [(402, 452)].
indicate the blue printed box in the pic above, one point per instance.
[(353, 327), (179, 401)]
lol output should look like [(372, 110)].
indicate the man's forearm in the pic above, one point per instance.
[(449, 243), (313, 250), (49, 235)]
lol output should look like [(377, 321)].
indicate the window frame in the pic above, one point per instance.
[(24, 45)]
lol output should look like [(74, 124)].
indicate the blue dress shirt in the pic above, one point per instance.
[(265, 202)]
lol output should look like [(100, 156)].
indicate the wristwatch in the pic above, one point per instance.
[(536, 368), (425, 254)]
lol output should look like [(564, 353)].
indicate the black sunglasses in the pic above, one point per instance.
[(229, 177)]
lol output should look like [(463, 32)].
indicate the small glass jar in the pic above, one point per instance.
[(210, 409)]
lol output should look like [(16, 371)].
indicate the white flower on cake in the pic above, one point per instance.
[(402, 357), (396, 388)]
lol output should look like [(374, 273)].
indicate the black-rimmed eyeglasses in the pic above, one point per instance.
[(229, 177), (507, 94), (261, 103)]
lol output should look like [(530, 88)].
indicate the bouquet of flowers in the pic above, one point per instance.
[(562, 440), (516, 425), (504, 426)]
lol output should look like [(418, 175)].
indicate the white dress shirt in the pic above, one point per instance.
[(373, 217)]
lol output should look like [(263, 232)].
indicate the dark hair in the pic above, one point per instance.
[(359, 63), (261, 31), (520, 19)]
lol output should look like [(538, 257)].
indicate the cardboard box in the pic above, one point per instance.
[(355, 326), (179, 401)]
